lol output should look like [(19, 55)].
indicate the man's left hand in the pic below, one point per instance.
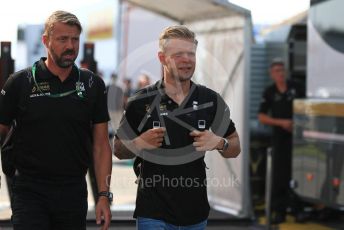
[(103, 213), (206, 140)]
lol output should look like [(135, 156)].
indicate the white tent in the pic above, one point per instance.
[(224, 32)]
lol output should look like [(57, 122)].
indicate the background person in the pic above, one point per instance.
[(115, 101), (143, 81), (128, 91), (276, 110)]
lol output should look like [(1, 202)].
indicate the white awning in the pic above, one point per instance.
[(186, 11)]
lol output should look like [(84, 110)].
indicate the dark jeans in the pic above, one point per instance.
[(46, 204), (154, 224)]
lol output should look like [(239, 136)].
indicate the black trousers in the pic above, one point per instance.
[(46, 204), (281, 174)]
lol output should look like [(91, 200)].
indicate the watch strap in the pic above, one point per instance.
[(107, 194), (225, 145)]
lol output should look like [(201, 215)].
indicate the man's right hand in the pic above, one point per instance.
[(151, 139)]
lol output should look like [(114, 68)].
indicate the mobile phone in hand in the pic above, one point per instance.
[(156, 124)]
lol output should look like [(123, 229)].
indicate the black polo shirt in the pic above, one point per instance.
[(280, 105), (54, 135), (174, 188)]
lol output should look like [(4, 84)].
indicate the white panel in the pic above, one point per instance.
[(220, 66), (139, 49), (324, 68)]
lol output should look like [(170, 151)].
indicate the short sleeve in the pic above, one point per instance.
[(100, 112), (222, 124), (265, 103), (8, 101), (128, 127)]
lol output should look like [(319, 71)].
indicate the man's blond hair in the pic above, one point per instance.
[(176, 32), (63, 17)]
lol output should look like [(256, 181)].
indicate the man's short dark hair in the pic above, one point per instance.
[(276, 61)]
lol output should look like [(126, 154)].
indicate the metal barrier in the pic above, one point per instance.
[(268, 186)]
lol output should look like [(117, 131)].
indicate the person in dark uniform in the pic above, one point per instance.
[(115, 98), (167, 125), (276, 109), (61, 127)]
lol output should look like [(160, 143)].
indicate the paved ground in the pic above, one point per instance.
[(124, 187)]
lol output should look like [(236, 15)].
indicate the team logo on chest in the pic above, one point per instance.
[(42, 89), (79, 86), (163, 109), (291, 94), (43, 86)]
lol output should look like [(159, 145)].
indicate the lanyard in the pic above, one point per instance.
[(58, 95)]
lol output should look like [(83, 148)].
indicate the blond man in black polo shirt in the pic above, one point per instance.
[(167, 125)]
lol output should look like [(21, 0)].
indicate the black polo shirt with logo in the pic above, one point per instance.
[(54, 135), (280, 105), (173, 188)]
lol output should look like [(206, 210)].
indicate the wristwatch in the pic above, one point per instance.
[(225, 145), (107, 194)]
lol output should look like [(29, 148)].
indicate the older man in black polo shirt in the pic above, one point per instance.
[(168, 126), (62, 116)]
